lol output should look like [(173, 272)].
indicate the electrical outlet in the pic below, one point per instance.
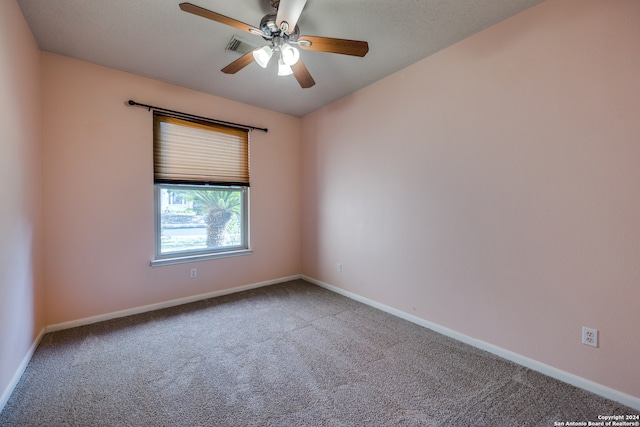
[(590, 336), (339, 268), (194, 272)]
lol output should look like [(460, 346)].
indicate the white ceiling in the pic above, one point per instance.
[(154, 38)]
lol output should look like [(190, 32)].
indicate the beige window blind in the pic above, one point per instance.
[(190, 152)]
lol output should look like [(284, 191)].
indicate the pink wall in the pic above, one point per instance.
[(494, 188), (98, 193), (20, 222)]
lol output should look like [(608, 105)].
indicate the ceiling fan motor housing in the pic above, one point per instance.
[(271, 30)]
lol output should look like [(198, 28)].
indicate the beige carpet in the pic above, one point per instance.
[(291, 354)]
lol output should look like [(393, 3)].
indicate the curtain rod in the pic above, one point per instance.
[(192, 116)]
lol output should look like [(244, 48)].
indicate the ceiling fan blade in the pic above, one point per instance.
[(302, 75), (200, 11), (289, 11), (341, 46), (239, 63)]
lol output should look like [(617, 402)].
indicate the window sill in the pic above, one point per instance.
[(194, 258)]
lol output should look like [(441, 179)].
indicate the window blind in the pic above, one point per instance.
[(192, 152)]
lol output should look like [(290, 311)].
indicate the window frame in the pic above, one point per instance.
[(200, 254)]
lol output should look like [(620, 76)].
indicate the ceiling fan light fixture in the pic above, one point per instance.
[(262, 56), (284, 69), (290, 54)]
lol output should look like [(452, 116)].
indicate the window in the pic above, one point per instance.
[(201, 179)]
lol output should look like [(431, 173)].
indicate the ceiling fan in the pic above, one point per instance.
[(280, 29)]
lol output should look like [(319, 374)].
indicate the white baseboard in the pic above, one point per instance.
[(574, 380), (21, 368), (161, 305)]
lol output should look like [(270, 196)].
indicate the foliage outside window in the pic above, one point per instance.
[(201, 175)]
